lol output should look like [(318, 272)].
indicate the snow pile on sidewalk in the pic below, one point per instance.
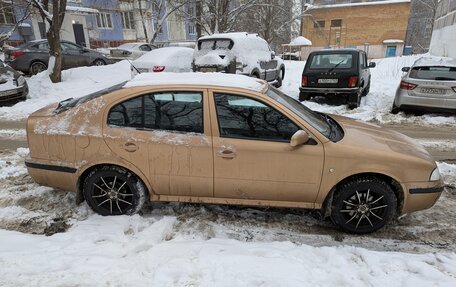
[(448, 171), (76, 83), (377, 104), (13, 165), (144, 251)]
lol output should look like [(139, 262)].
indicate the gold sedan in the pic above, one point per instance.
[(226, 139)]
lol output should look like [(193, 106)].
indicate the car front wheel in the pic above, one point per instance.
[(112, 190), (99, 62), (363, 205)]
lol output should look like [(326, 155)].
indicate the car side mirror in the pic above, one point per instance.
[(273, 55), (372, 65), (299, 138), (405, 69)]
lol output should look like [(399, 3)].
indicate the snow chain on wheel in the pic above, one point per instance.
[(112, 190), (363, 205)]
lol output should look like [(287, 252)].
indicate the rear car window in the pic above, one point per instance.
[(215, 44), (329, 61), (434, 73)]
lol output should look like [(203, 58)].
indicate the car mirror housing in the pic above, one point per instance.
[(372, 65), (405, 69), (273, 55), (299, 138)]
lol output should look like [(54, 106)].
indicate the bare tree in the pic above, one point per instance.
[(420, 25), (164, 9), (53, 13), (8, 8)]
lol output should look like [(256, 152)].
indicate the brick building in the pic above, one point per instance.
[(378, 27)]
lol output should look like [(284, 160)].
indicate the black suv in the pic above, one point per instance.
[(342, 72)]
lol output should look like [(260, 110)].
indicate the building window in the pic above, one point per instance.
[(319, 24), (104, 20), (128, 20), (336, 23), (6, 14), (191, 28)]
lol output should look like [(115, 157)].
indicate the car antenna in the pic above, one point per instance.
[(133, 66)]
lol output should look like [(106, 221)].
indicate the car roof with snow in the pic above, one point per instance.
[(427, 61), (335, 51), (233, 36), (198, 79)]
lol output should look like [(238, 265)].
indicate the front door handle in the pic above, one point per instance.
[(130, 147), (226, 153)]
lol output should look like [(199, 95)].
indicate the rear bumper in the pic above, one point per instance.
[(405, 101), (52, 174), (325, 91)]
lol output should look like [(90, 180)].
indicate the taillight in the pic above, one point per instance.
[(407, 86), (304, 81), (15, 55), (157, 69), (352, 81)]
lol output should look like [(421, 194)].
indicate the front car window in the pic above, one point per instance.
[(215, 44), (332, 61), (434, 73), (311, 117), (246, 118), (174, 111)]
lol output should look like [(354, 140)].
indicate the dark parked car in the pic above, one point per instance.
[(33, 57), (13, 87), (342, 72)]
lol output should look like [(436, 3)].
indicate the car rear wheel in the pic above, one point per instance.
[(354, 101), (363, 205), (304, 96), (279, 79), (37, 67), (395, 109), (99, 62), (113, 190)]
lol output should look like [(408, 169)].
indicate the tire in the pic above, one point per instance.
[(354, 101), (395, 109), (99, 62), (37, 67), (279, 79), (304, 96), (373, 203), (100, 192), (255, 74), (367, 89)]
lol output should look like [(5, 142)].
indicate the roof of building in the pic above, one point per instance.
[(197, 79), (385, 2)]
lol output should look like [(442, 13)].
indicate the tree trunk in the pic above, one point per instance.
[(53, 37)]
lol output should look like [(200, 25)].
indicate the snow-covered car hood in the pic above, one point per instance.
[(375, 138)]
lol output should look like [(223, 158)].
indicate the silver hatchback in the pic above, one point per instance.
[(429, 85)]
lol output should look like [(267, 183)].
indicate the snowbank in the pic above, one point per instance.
[(376, 106), (76, 83), (144, 251), (448, 171)]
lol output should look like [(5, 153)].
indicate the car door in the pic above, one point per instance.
[(165, 134), (253, 158), (72, 56), (364, 69)]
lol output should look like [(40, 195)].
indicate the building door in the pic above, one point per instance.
[(79, 34), (391, 51)]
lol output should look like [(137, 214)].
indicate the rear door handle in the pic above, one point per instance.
[(130, 147), (226, 153)]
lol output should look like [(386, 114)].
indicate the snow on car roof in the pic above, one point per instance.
[(163, 55), (198, 79), (429, 60), (310, 6), (232, 36)]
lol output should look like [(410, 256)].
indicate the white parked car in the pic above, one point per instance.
[(238, 53), (130, 51), (170, 59)]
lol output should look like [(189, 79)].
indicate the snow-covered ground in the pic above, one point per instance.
[(179, 244)]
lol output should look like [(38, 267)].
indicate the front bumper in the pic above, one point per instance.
[(404, 100), (325, 91), (421, 195), (13, 96)]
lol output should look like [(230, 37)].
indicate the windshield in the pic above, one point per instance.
[(311, 117), (215, 44), (332, 61), (127, 46), (434, 73), (71, 103)]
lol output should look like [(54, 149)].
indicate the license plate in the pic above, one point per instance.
[(328, 81), (7, 93), (143, 70), (434, 91), (208, 70)]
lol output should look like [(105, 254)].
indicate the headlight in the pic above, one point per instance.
[(435, 175), (20, 81)]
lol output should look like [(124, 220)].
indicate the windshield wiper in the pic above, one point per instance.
[(337, 65), (332, 125), (61, 103)]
